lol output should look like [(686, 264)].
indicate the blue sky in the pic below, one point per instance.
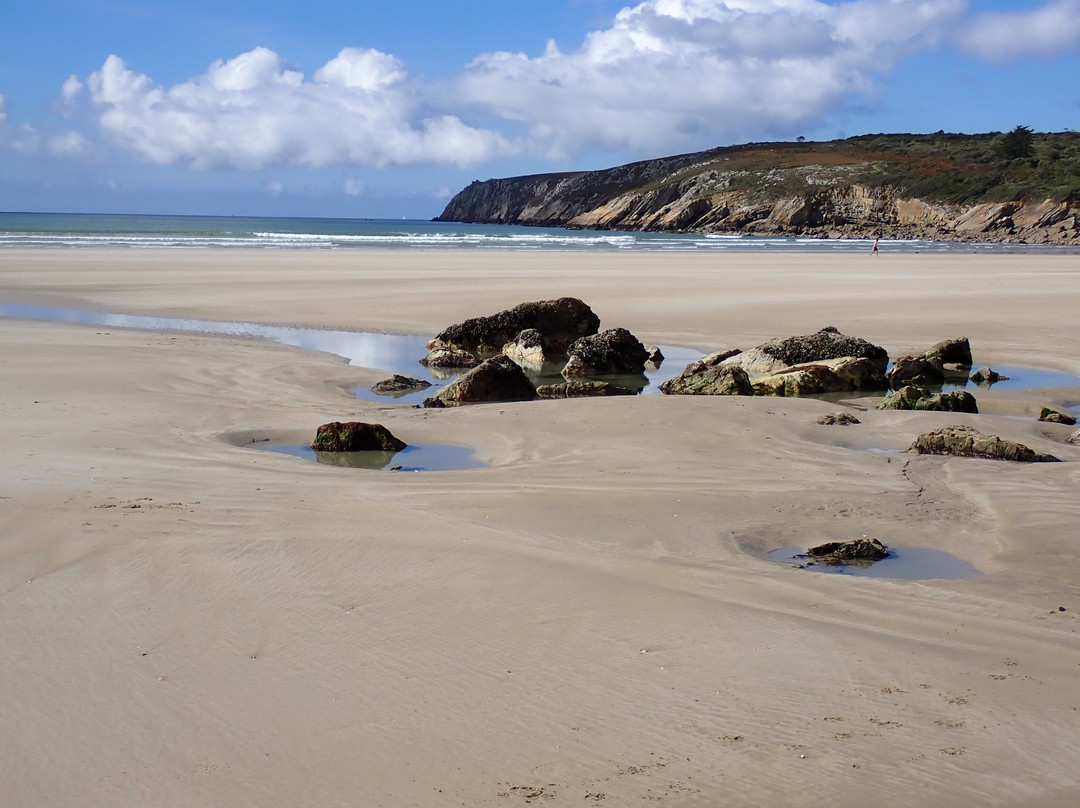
[(378, 109)]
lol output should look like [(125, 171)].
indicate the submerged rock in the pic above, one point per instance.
[(986, 376), (449, 358), (355, 436), (1054, 417), (862, 551), (615, 351), (398, 385), (838, 419), (582, 389), (495, 379), (965, 441), (560, 322)]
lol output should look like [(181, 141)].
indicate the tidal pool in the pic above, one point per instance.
[(908, 563), (415, 457), (390, 352)]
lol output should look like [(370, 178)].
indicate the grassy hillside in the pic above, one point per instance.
[(961, 169)]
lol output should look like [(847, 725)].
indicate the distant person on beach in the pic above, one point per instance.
[(873, 250)]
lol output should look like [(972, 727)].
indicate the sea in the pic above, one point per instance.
[(87, 230)]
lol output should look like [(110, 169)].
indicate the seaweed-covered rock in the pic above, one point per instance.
[(449, 358), (582, 388), (495, 379), (803, 380), (838, 419), (560, 322), (862, 550), (355, 436), (951, 352), (965, 441), (1054, 417), (398, 385), (986, 377), (915, 370), (615, 351), (911, 397), (700, 379), (828, 343)]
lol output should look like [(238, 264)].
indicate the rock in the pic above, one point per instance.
[(802, 380), (911, 397), (755, 362), (1074, 438), (951, 351), (399, 385), (986, 376), (838, 419), (527, 348), (495, 379), (355, 436), (615, 351), (582, 389), (915, 370), (957, 401), (903, 399), (655, 357), (845, 552), (449, 358), (700, 379), (560, 322), (858, 373), (828, 343), (966, 441), (1055, 417)]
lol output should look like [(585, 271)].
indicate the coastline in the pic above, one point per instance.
[(187, 619)]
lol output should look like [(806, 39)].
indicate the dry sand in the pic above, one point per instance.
[(188, 621)]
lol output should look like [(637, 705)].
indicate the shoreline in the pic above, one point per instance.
[(189, 620)]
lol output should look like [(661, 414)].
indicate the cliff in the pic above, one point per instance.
[(941, 187)]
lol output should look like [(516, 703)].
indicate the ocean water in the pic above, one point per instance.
[(82, 230)]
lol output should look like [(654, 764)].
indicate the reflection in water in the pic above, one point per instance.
[(389, 352), (414, 457), (909, 563)]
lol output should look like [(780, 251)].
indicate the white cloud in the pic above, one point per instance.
[(663, 76), (274, 188), (353, 186), (1042, 33), (253, 111), (689, 71)]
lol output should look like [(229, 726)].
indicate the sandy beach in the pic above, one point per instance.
[(593, 617)]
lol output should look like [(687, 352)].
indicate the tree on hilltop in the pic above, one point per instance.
[(1017, 144)]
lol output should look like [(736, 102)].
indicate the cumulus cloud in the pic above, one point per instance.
[(664, 75), (677, 70), (253, 111), (33, 141), (1044, 33)]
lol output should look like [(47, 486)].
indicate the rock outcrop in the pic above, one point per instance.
[(449, 358), (495, 379), (844, 189), (911, 397), (828, 343), (614, 351), (583, 389), (710, 376), (559, 322), (984, 377), (966, 441), (355, 436), (838, 419)]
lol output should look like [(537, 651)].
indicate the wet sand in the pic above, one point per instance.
[(186, 620)]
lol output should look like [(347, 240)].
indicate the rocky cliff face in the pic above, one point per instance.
[(699, 193)]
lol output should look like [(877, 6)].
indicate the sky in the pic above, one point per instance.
[(384, 109)]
